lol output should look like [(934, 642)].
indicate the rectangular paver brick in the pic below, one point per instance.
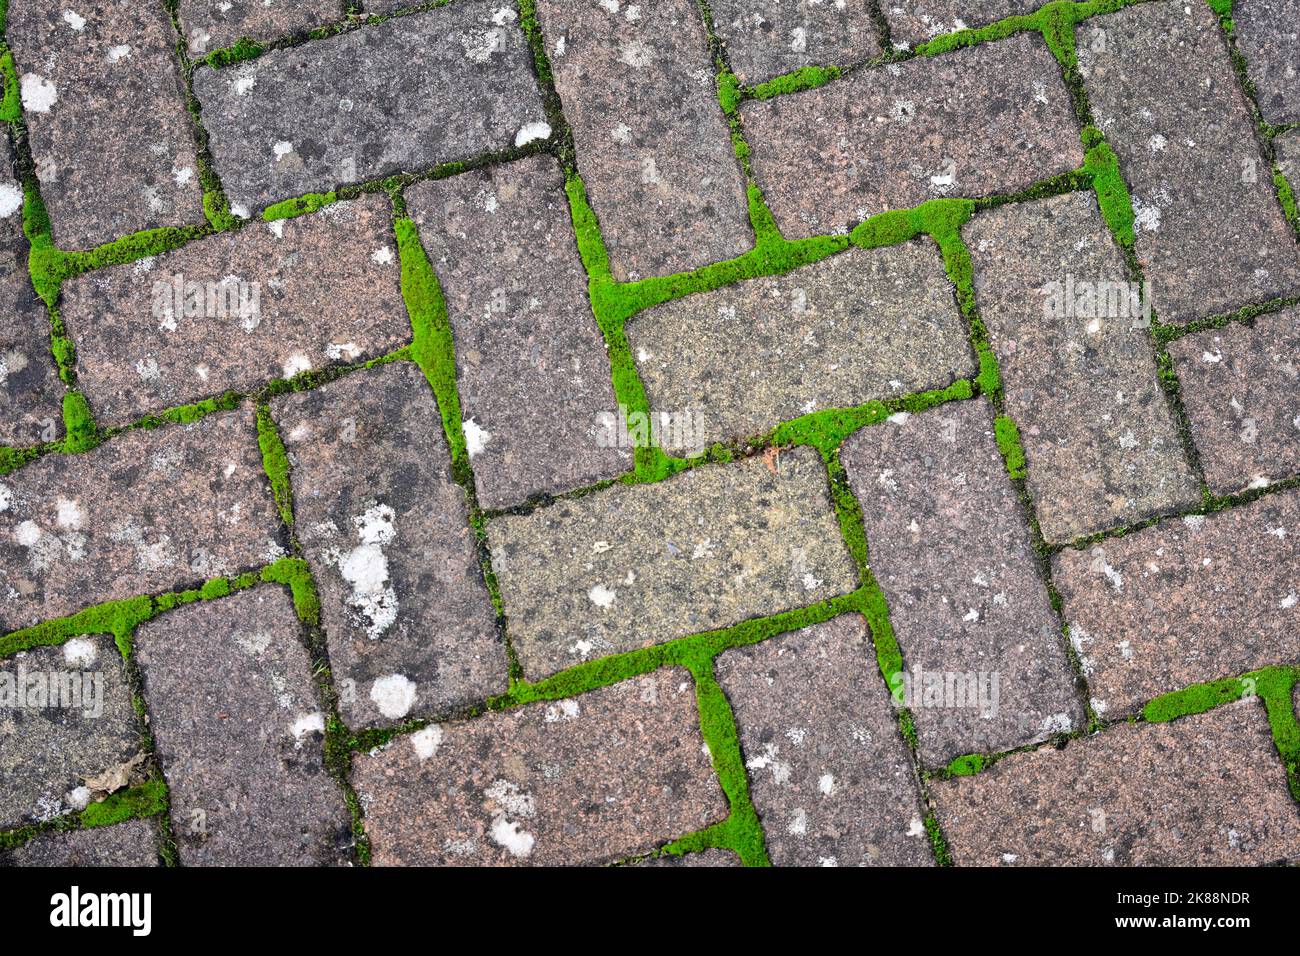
[(134, 843), (769, 37), (209, 25), (1268, 36), (988, 119), (590, 779), (916, 21)]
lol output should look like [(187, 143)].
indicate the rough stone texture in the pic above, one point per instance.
[(1100, 441), (861, 325), (828, 770), (105, 110), (530, 359), (47, 753), (702, 858), (915, 22), (951, 550), (1268, 35), (145, 512), (213, 24), (594, 778), (988, 119), (386, 532), (240, 734), (404, 95), (1287, 150), (776, 36), (1209, 228), (639, 90), (1241, 392), (134, 843), (1205, 790), (635, 565), (1189, 600)]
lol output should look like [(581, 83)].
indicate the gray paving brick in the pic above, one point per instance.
[(209, 25), (702, 858), (134, 843), (1268, 35), (915, 22), (1287, 148), (776, 36)]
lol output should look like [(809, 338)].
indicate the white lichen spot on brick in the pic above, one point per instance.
[(38, 94), (307, 724), (564, 710), (826, 784), (11, 199), (506, 800), (365, 569), (342, 351), (476, 438), (75, 20), (798, 822), (426, 742), (245, 80), (767, 760), (118, 53), (538, 129), (295, 364), (602, 596), (394, 695), (80, 652), (282, 149), (382, 256)]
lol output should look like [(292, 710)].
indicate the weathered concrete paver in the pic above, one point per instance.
[(702, 858), (531, 365), (134, 843), (1204, 790), (635, 565), (1209, 228), (952, 553), (638, 87), (1078, 367), (590, 779), (105, 110), (1287, 149), (386, 532), (237, 310), (776, 36), (988, 119), (861, 325), (209, 25), (828, 770), (1268, 36), (914, 22), (146, 512), (447, 84), (1189, 600), (240, 733)]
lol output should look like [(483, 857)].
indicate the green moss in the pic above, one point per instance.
[(804, 78), (1008, 438), (195, 411), (728, 92), (81, 434), (10, 107), (967, 765), (275, 462), (242, 50), (147, 800), (299, 206), (1286, 196), (937, 842), (1113, 198), (296, 575)]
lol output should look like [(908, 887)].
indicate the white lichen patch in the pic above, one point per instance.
[(75, 20), (38, 94), (282, 149), (767, 760), (11, 199), (296, 364), (382, 256), (394, 695), (506, 800), (365, 569), (476, 438), (307, 724), (80, 652), (538, 129), (426, 742), (118, 53), (68, 514), (602, 596)]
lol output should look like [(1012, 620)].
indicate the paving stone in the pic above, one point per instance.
[(105, 111), (951, 550), (1287, 149), (916, 22), (594, 778), (1209, 228), (1204, 790), (828, 770), (237, 310), (240, 734), (531, 365), (635, 565), (399, 96), (861, 325), (209, 25), (146, 512), (1268, 35), (65, 719), (994, 118), (638, 87), (1241, 392), (386, 532), (1078, 367), (776, 36), (134, 843), (1189, 600), (702, 858)]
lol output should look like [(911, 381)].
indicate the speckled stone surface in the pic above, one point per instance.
[(1189, 600), (916, 21), (702, 858), (768, 37), (240, 733), (635, 565), (134, 843), (1287, 150), (1241, 392), (399, 96), (531, 366), (237, 310), (1078, 367), (105, 109), (861, 325), (950, 547), (591, 779), (1268, 35), (47, 753), (1209, 229), (146, 512), (988, 119), (209, 25), (386, 532), (1205, 790), (638, 87), (829, 772)]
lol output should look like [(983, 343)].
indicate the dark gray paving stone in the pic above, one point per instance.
[(861, 325), (994, 118), (1205, 790), (65, 718), (1188, 600), (770, 37), (386, 532), (829, 773), (635, 565), (240, 734), (105, 110), (951, 550), (638, 87), (237, 310), (209, 25), (404, 95), (146, 512), (916, 21), (1209, 229), (1287, 150), (134, 843), (1268, 35), (702, 858), (531, 365), (594, 778), (1078, 367)]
